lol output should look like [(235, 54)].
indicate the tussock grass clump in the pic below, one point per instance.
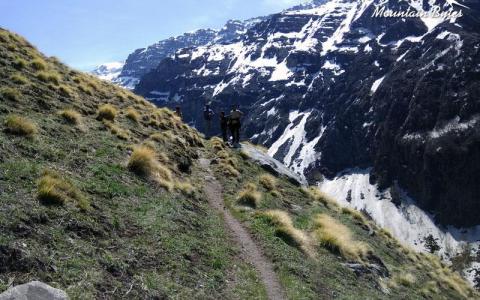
[(144, 162), (38, 64), (116, 130), (49, 77), (65, 90), (217, 144), (85, 89), (285, 230), (10, 94), (268, 181), (229, 170), (71, 116), (19, 79), (107, 112), (53, 189), (405, 279), (19, 63), (355, 214), (337, 238), (249, 196), (244, 155), (317, 195), (133, 114), (18, 125), (185, 187), (162, 137)]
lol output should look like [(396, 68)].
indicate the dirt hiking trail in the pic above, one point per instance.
[(250, 252)]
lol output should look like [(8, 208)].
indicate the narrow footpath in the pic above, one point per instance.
[(250, 252)]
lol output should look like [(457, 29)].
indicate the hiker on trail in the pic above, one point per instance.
[(224, 120), (178, 112), (235, 125), (207, 116)]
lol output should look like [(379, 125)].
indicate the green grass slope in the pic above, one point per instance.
[(101, 196), (78, 212)]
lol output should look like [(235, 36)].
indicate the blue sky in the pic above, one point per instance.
[(85, 33)]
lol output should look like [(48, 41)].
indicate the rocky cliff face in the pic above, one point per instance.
[(328, 87)]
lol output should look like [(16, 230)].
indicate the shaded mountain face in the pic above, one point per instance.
[(144, 60), (328, 87)]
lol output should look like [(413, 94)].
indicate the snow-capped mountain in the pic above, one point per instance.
[(142, 61), (329, 87), (382, 112), (108, 71)]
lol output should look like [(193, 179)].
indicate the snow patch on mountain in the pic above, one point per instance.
[(404, 219)]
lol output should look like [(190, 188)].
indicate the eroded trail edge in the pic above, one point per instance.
[(249, 249)]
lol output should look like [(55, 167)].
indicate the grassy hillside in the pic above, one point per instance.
[(101, 196), (99, 193)]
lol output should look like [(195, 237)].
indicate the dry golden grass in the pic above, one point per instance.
[(355, 214), (10, 94), (71, 116), (117, 130), (38, 64), (285, 230), (228, 169), (405, 279), (185, 187), (133, 114), (65, 90), (18, 125), (47, 77), (268, 181), (85, 89), (337, 238), (19, 63), (53, 189), (144, 162), (244, 155), (107, 112), (19, 79), (249, 196), (317, 195)]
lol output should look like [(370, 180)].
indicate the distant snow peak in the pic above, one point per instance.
[(108, 71)]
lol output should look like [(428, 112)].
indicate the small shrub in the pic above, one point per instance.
[(10, 94), (107, 112), (133, 115), (71, 116), (249, 196), (53, 189), (38, 64), (268, 181), (337, 238), (49, 77), (19, 79), (20, 126)]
